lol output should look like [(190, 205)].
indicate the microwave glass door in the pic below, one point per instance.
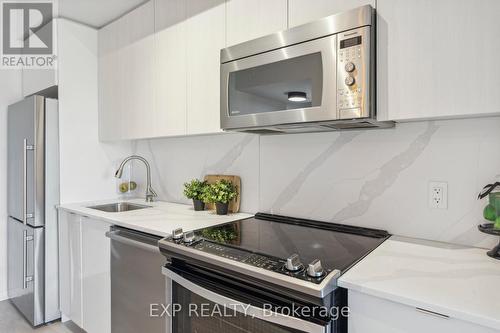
[(294, 83)]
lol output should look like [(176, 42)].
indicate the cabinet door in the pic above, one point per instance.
[(437, 59), (64, 265), (70, 267), (205, 38), (170, 59), (137, 65), (304, 11), (126, 76), (96, 280), (376, 315), (249, 19), (111, 120)]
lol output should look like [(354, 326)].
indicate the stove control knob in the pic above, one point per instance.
[(315, 269), (349, 81), (293, 263), (349, 67), (189, 237), (177, 234)]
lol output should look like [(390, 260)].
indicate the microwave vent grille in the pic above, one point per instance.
[(262, 131), (354, 125)]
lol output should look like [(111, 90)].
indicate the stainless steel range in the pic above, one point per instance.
[(274, 274)]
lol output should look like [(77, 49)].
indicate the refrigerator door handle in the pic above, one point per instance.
[(25, 190), (25, 258), (26, 147), (26, 278)]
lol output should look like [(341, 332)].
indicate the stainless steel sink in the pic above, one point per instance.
[(119, 207)]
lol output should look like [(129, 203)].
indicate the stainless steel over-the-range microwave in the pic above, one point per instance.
[(316, 77)]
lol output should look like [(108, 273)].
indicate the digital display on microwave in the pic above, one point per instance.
[(350, 42)]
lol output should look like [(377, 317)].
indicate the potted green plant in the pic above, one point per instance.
[(221, 193), (195, 190)]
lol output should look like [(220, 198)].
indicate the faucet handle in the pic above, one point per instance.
[(150, 194)]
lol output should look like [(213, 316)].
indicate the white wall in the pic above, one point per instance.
[(374, 178), (87, 166), (10, 92)]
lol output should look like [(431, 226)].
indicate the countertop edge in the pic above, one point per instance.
[(451, 311), (116, 222), (83, 210)]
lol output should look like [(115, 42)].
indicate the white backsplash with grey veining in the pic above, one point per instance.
[(175, 161), (374, 178)]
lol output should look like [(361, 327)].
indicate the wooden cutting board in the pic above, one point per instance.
[(234, 205)]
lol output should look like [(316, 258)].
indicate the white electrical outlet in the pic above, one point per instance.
[(438, 195)]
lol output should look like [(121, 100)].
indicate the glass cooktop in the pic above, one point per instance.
[(337, 246)]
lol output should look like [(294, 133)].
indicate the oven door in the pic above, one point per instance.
[(294, 84), (205, 305)]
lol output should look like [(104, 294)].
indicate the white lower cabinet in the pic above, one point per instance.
[(84, 272), (376, 315), (70, 267), (96, 280)]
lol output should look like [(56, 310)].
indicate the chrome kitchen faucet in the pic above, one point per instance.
[(150, 193)]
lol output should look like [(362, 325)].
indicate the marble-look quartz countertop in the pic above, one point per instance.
[(159, 219), (460, 282)]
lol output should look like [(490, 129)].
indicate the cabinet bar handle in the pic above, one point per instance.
[(432, 313)]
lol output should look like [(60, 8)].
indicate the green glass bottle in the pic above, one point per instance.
[(489, 212), (495, 197)]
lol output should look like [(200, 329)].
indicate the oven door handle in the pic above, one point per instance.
[(247, 309)]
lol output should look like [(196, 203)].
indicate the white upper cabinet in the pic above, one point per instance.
[(159, 65), (438, 58), (304, 11), (109, 82), (206, 36), (159, 70), (250, 19), (170, 67), (126, 76)]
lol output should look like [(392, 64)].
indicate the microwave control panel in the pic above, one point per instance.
[(353, 74)]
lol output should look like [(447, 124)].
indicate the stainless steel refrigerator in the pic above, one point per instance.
[(33, 193)]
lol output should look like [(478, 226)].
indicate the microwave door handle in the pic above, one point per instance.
[(256, 312)]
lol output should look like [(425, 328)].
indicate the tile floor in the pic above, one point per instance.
[(11, 321)]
